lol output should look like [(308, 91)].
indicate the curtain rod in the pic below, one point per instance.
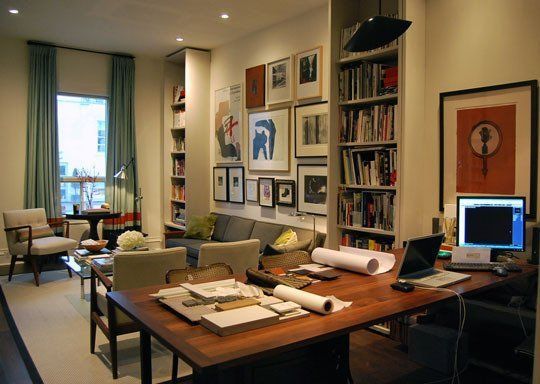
[(31, 42)]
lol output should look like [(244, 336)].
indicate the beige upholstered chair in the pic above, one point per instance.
[(130, 270), (240, 255), (25, 229)]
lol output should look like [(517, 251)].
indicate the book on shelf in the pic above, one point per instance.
[(179, 118), (178, 214), (364, 80), (179, 167), (375, 123), (178, 192), (364, 242), (179, 144), (179, 93), (348, 32), (369, 166), (368, 209)]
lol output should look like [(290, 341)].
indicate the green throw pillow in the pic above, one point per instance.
[(200, 227)]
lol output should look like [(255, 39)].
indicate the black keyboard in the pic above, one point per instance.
[(511, 267)]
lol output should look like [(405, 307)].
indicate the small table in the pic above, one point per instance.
[(81, 267), (93, 219)]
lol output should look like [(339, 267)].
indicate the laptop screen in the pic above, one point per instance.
[(420, 254)]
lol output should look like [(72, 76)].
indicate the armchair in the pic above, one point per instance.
[(30, 238)]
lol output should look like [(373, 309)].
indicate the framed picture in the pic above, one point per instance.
[(268, 140), (279, 81), (489, 143), (220, 184), (312, 188), (311, 130), (236, 184), (252, 190), (228, 124), (255, 86), (266, 192), (308, 68), (285, 193)]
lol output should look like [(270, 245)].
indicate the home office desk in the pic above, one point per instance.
[(249, 355)]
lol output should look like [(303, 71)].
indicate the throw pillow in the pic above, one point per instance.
[(37, 233), (272, 249), (200, 227), (287, 237)]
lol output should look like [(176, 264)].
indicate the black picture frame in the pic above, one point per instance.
[(273, 183), (292, 184), (296, 155), (229, 169), (300, 194), (533, 85), (226, 184)]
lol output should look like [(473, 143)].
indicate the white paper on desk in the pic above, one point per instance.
[(355, 259), (471, 255), (312, 267), (339, 304)]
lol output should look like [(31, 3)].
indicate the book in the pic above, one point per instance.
[(369, 166), (364, 80), (364, 125), (368, 209)]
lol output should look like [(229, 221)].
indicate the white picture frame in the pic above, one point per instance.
[(235, 176), (228, 129), (312, 195), (311, 130), (309, 73), (279, 81), (252, 190)]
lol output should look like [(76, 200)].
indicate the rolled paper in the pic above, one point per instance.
[(307, 300)]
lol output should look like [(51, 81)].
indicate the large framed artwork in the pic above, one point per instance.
[(235, 176), (228, 124), (268, 140), (279, 74), (255, 86), (220, 184), (266, 192), (308, 68), (312, 188), (489, 142), (311, 130), (285, 193)]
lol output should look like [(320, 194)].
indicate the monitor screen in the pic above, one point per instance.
[(420, 254), (491, 222)]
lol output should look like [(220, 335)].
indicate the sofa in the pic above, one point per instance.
[(233, 228)]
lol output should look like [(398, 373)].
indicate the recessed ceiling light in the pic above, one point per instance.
[(179, 38), (224, 16), (14, 11)]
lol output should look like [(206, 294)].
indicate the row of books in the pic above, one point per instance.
[(178, 192), (367, 209), (369, 166), (179, 144), (348, 32), (376, 123), (179, 118), (178, 214), (179, 93), (354, 240), (365, 80), (179, 167)]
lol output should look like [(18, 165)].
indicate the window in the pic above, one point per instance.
[(82, 137)]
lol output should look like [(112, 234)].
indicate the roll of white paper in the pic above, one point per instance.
[(355, 260), (307, 300)]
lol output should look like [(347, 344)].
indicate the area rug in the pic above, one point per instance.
[(54, 324)]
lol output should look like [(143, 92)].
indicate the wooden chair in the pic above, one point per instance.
[(177, 276), (30, 238), (130, 270), (286, 260)]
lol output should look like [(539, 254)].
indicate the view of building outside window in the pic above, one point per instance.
[(82, 137)]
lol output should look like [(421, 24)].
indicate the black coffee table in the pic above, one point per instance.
[(93, 219)]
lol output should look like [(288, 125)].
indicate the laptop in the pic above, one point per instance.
[(417, 265)]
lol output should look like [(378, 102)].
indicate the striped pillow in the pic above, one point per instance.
[(37, 232)]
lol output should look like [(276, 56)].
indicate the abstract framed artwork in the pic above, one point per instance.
[(252, 190), (220, 184), (285, 193), (311, 130), (266, 192), (255, 86), (489, 142), (268, 140), (228, 128), (312, 188), (309, 72), (279, 81), (235, 182)]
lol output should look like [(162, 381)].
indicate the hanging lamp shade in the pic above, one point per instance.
[(376, 32)]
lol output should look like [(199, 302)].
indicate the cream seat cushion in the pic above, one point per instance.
[(44, 246), (102, 304)]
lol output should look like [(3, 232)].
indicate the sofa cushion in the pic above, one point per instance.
[(44, 246), (238, 229), (303, 245), (200, 227), (220, 227), (38, 232), (267, 233), (192, 246)]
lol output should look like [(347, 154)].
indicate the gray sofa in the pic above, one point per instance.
[(233, 228)]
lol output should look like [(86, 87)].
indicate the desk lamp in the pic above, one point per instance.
[(302, 217)]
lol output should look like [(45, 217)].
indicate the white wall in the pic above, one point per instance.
[(228, 66)]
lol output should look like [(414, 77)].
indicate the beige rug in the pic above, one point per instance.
[(54, 324)]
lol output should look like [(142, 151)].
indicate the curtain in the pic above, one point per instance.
[(121, 147), (42, 187)]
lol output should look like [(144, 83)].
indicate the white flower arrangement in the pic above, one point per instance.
[(130, 240)]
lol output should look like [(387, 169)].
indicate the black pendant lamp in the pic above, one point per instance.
[(376, 32)]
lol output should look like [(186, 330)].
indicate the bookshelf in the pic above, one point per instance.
[(178, 159)]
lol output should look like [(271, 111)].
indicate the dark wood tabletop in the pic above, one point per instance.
[(374, 301)]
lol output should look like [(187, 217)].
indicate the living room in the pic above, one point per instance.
[(212, 132)]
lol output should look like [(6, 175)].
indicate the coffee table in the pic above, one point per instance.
[(81, 267)]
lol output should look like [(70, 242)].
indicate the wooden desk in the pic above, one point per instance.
[(374, 301)]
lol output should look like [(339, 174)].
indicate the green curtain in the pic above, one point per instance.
[(42, 187), (121, 146)]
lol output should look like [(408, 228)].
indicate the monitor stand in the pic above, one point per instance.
[(499, 252)]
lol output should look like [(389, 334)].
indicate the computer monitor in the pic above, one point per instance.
[(496, 222)]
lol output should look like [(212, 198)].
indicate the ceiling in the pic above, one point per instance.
[(144, 27)]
